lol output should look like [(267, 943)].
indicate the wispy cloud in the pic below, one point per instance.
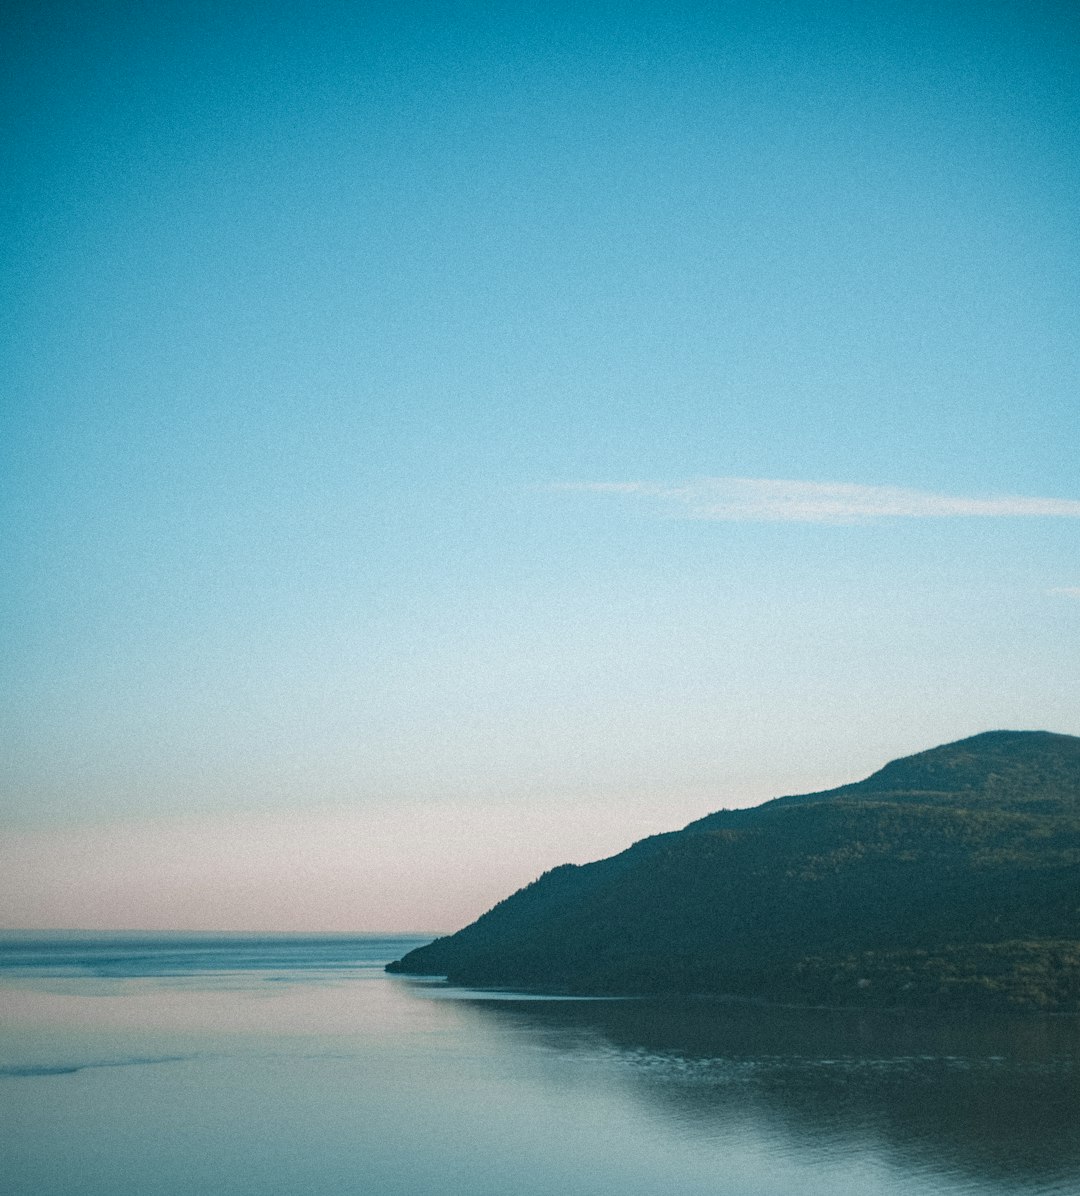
[(779, 500), (1065, 591)]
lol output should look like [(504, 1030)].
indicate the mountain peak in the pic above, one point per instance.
[(1008, 765)]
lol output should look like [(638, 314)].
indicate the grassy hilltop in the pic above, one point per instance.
[(949, 878)]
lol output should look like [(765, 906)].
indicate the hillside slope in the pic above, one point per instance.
[(948, 878)]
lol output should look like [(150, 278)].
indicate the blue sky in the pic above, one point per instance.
[(373, 382)]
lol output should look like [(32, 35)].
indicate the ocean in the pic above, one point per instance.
[(197, 1065)]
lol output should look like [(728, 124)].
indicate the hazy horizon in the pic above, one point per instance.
[(443, 442)]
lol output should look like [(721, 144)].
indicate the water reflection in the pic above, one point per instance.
[(288, 1065), (994, 1101)]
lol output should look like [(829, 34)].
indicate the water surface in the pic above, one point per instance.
[(204, 1064)]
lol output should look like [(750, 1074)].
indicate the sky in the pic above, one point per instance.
[(440, 441)]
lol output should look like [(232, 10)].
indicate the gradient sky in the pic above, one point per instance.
[(438, 441)]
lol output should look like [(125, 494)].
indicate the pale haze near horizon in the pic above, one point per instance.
[(440, 443)]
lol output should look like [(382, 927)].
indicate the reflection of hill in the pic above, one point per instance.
[(994, 1101), (947, 880)]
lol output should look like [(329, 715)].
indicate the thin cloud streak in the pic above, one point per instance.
[(1065, 591), (779, 500)]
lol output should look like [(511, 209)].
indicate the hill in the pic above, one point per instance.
[(949, 878)]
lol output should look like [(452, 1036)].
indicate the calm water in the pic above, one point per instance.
[(205, 1065)]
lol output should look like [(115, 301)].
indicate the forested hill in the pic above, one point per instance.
[(948, 878), (1025, 771)]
